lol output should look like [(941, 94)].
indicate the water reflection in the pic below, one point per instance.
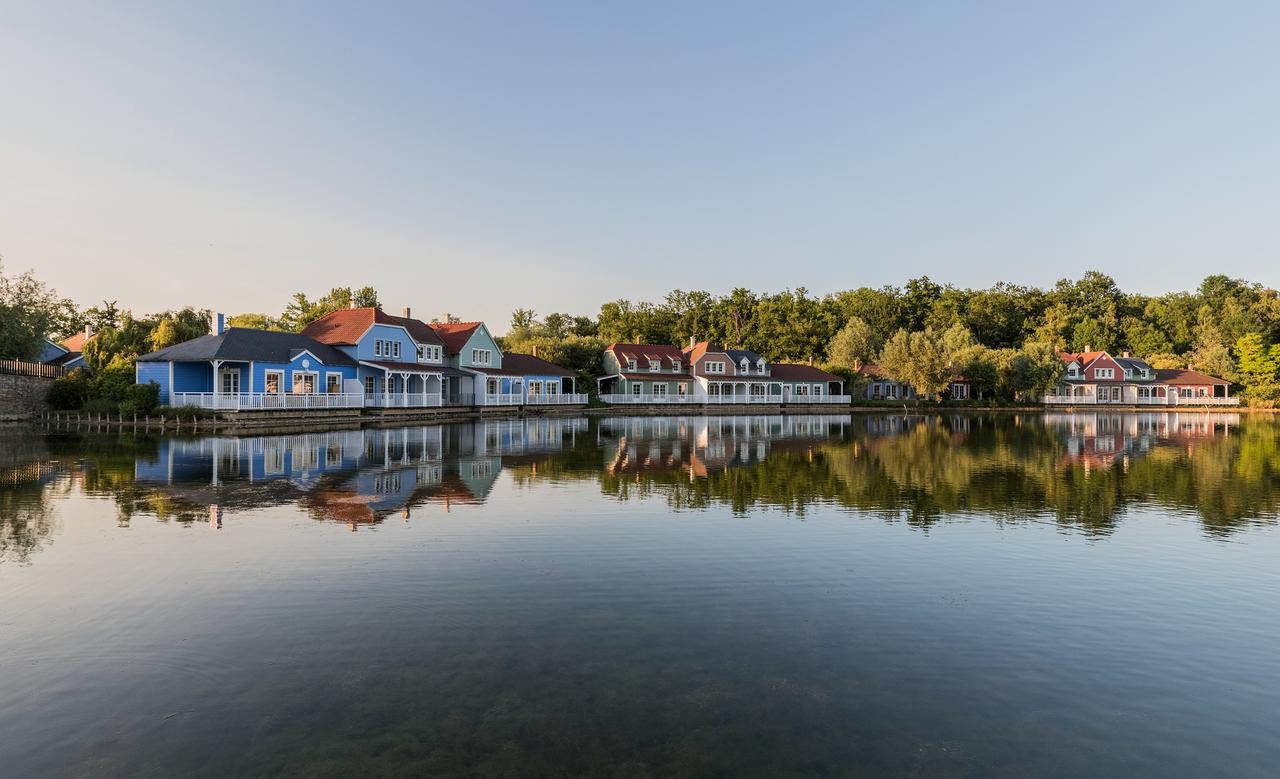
[(1082, 470)]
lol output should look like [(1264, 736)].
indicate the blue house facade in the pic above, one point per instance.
[(240, 368), (352, 358)]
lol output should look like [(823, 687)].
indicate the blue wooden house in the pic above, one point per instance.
[(236, 368)]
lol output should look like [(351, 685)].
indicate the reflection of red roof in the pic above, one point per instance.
[(454, 335), (790, 372), (1187, 376)]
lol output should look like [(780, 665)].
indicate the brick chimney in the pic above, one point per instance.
[(404, 312)]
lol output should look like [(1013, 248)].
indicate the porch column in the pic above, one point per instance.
[(404, 388), (386, 387)]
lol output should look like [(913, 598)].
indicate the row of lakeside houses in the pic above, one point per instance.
[(353, 358), (367, 358)]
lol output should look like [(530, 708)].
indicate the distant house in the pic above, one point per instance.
[(1097, 377), (880, 386), (69, 353), (400, 360), (705, 372), (492, 378)]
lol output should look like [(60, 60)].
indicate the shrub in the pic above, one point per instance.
[(69, 392), (114, 382), (141, 400)]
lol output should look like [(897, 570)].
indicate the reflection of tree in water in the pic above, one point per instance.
[(27, 520), (1009, 468)]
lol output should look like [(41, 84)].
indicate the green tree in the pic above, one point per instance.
[(1259, 368), (30, 311), (852, 346)]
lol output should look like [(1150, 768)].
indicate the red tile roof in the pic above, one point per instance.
[(345, 326), (667, 356), (76, 342), (1187, 376), (454, 335), (792, 372)]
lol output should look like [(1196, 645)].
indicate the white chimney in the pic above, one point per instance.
[(88, 331), (447, 318), (217, 323), (691, 342)]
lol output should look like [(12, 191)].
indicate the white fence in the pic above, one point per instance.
[(404, 400), (1168, 400), (252, 401), (561, 399)]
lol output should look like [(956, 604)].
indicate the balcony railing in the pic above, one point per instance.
[(403, 400), (252, 401), (501, 399), (561, 399)]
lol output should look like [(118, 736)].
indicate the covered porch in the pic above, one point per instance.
[(401, 385)]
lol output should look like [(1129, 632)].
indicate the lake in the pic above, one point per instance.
[(938, 595)]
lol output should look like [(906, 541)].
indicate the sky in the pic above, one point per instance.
[(477, 157)]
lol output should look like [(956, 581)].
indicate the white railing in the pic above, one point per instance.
[(628, 398), (501, 398), (1167, 400), (403, 400), (251, 401), (836, 399), (561, 399)]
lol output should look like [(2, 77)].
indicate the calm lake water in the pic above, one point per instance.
[(1014, 595)]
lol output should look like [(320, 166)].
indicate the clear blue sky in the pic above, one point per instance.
[(476, 157)]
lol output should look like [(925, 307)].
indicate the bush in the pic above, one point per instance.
[(114, 382), (69, 392), (142, 399)]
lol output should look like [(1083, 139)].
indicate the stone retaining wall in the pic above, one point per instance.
[(22, 397)]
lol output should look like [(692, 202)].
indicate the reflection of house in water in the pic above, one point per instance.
[(700, 445), (1101, 439), (355, 477)]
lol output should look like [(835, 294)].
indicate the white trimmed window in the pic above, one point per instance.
[(713, 366), (1104, 373), (655, 366), (635, 388), (802, 389), (481, 356), (682, 389), (631, 364), (659, 389), (273, 380), (817, 389), (377, 348), (675, 365), (333, 383), (395, 349), (427, 353)]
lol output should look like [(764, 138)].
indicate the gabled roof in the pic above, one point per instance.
[(419, 331), (737, 354), (667, 356), (528, 365), (793, 372), (1177, 376), (64, 358), (243, 344), (76, 342), (454, 335), (700, 349), (344, 327)]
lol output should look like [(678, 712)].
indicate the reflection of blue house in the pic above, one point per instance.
[(236, 367)]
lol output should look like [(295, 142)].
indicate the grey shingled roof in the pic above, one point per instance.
[(737, 354), (243, 344)]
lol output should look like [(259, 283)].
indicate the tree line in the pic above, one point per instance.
[(1002, 338)]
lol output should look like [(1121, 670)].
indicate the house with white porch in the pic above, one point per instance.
[(353, 358), (707, 373), (1098, 378)]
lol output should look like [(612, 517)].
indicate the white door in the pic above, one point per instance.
[(229, 381)]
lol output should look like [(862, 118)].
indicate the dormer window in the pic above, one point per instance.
[(675, 365), (631, 364), (655, 366), (760, 366), (744, 365)]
